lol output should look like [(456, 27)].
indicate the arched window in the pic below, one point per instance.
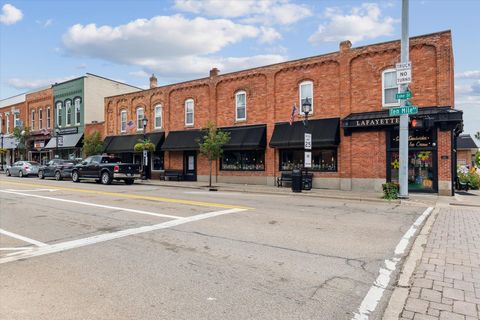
[(305, 90), (123, 121), (59, 114), (240, 106), (389, 88), (76, 103), (189, 112), (68, 107), (140, 116), (158, 116)]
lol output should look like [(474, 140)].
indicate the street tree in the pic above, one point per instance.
[(92, 144), (22, 135), (212, 145)]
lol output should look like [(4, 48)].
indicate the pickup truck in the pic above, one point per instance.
[(104, 169)]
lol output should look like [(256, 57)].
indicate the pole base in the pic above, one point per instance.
[(403, 197)]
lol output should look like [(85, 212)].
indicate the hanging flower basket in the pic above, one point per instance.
[(3, 151), (144, 145)]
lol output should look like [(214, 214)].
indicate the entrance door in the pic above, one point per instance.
[(190, 165)]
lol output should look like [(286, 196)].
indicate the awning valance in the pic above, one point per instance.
[(325, 133), (246, 137), (126, 143), (69, 141), (186, 140)]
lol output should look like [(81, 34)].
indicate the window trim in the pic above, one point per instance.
[(67, 109), (16, 118), (1, 123), (140, 128), (236, 105), (7, 122), (158, 106), (300, 112), (122, 112), (59, 107), (388, 105), (40, 119), (77, 119), (32, 119), (193, 112), (48, 116)]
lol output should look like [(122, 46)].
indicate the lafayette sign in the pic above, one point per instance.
[(374, 122)]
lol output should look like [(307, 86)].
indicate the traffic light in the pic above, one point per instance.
[(416, 123)]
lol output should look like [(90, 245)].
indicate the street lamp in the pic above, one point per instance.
[(308, 141), (57, 132), (1, 154), (306, 109), (144, 155)]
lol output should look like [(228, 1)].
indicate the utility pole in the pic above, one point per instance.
[(404, 118)]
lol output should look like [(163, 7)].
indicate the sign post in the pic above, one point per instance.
[(308, 146)]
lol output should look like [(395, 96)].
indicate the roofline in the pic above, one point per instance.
[(101, 77)]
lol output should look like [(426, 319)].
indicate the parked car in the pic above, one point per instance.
[(104, 169), (23, 169), (57, 168)]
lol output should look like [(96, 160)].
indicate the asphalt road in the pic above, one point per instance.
[(88, 251)]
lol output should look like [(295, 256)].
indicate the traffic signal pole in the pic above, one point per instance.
[(403, 147)]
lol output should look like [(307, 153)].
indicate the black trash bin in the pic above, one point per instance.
[(296, 180), (307, 180)]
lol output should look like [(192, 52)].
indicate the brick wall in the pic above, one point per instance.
[(35, 101)]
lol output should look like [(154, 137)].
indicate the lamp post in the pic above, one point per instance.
[(1, 154), (57, 132), (306, 109), (144, 155)]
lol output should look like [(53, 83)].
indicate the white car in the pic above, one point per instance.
[(23, 169)]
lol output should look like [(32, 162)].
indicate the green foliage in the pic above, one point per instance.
[(3, 151), (212, 145), (92, 144), (390, 190), (477, 159), (144, 145), (469, 176), (477, 135), (22, 135)]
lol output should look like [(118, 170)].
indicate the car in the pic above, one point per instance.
[(57, 168), (23, 169), (105, 169)]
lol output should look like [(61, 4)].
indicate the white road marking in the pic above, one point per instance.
[(16, 248), (30, 190), (94, 205), (371, 300), (219, 193), (68, 245), (19, 237)]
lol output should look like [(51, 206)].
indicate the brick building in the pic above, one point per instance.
[(466, 150), (355, 142), (12, 114)]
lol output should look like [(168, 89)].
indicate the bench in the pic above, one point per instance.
[(462, 185), (284, 177), (173, 174)]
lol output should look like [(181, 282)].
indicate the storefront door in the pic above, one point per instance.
[(190, 165)]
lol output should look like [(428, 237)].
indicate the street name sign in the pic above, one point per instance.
[(308, 159), (403, 95), (403, 110), (404, 72), (308, 141)]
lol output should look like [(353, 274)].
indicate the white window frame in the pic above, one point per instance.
[(16, 119), (242, 92), (140, 120), (7, 122), (123, 124), (158, 107), (1, 123), (303, 83), (68, 109), (388, 105), (48, 116), (59, 107), (32, 118), (192, 112), (40, 119), (77, 109)]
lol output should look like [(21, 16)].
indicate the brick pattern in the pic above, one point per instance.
[(21, 107), (446, 284), (35, 101)]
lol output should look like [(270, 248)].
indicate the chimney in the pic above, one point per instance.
[(153, 81), (345, 45), (214, 72)]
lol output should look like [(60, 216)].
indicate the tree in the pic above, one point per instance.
[(22, 135), (477, 135), (212, 145), (92, 144)]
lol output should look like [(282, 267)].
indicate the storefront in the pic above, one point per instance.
[(12, 155), (66, 144)]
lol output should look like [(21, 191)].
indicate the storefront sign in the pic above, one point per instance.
[(68, 130), (374, 122), (308, 159), (60, 141), (39, 144), (415, 140)]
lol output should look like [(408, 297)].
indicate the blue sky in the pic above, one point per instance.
[(42, 42)]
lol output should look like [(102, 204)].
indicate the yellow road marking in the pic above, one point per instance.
[(133, 196)]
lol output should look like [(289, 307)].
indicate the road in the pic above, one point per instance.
[(88, 251)]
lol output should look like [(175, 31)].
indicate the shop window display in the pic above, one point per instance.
[(323, 160), (243, 160), (420, 169)]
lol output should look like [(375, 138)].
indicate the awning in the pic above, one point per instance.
[(126, 143), (187, 140), (10, 143), (246, 137), (69, 141), (325, 133)]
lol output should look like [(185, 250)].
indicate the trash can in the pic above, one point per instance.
[(307, 180), (296, 180)]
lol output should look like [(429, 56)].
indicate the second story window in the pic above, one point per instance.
[(33, 120), (1, 123), (158, 117), (40, 119), (77, 110), (140, 116), (48, 118), (68, 108), (241, 106), (389, 88), (59, 114), (16, 119), (189, 112), (7, 122), (123, 121), (305, 90)]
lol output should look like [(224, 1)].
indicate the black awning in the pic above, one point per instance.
[(325, 133), (125, 143), (183, 140), (246, 137)]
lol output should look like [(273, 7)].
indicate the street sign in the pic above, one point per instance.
[(60, 141), (403, 110), (403, 95), (145, 155), (404, 72), (308, 141), (308, 159)]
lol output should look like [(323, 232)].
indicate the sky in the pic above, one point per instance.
[(43, 42)]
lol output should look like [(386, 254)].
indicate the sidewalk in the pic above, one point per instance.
[(446, 283)]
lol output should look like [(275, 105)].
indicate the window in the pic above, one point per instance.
[(389, 88), (7, 123), (32, 124), (77, 110), (40, 119), (243, 160), (241, 106), (305, 91), (140, 116), (189, 112), (59, 114), (123, 121), (323, 160), (157, 160), (158, 117), (16, 120), (68, 107), (48, 117), (1, 123)]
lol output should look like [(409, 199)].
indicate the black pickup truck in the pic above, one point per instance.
[(104, 169)]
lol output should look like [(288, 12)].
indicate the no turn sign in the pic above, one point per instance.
[(404, 72)]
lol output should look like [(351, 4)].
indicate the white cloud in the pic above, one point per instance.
[(252, 11), (10, 14), (470, 74), (364, 22), (467, 99), (139, 74), (45, 23), (268, 35), (29, 84)]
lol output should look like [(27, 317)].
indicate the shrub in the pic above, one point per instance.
[(390, 190)]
